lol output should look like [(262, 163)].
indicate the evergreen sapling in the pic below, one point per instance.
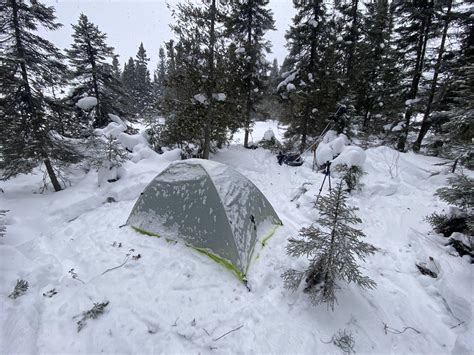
[(332, 248)]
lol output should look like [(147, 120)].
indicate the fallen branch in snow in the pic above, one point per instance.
[(230, 331), (92, 313), (20, 289), (388, 329), (457, 325), (343, 340)]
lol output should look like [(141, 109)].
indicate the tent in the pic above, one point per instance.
[(211, 207)]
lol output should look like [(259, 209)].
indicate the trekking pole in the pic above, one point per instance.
[(317, 139)]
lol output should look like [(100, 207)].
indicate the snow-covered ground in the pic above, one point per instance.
[(175, 300)]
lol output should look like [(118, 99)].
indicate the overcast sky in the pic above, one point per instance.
[(128, 22)]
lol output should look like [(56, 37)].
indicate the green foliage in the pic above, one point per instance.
[(437, 220), (89, 57), (351, 176), (30, 68), (198, 69), (247, 24), (460, 192), (332, 248), (311, 83), (344, 341), (20, 289), (93, 313), (105, 151)]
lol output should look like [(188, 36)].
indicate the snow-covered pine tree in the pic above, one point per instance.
[(447, 18), (247, 24), (350, 34), (29, 66), (416, 25), (455, 113), (376, 96), (89, 57), (332, 248), (128, 83), (143, 87), (159, 77), (116, 72), (197, 108), (310, 86)]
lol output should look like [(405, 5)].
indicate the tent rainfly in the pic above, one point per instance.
[(211, 207)]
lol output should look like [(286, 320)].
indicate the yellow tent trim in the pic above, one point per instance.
[(227, 264)]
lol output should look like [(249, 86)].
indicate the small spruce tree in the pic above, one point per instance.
[(332, 249)]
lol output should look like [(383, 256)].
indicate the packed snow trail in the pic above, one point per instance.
[(175, 300)]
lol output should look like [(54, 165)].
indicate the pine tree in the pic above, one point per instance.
[(142, 88), (311, 84), (456, 109), (247, 25), (29, 66), (89, 55), (159, 77), (350, 34), (425, 124), (376, 93), (197, 108), (116, 72), (332, 249), (415, 29), (129, 84), (274, 77)]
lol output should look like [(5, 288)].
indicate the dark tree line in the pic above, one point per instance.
[(402, 70)]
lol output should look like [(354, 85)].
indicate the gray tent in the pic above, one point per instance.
[(209, 206)]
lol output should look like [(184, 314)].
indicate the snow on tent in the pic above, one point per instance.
[(211, 207)]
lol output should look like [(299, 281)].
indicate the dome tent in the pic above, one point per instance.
[(211, 207)]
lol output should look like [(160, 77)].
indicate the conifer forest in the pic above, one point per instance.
[(261, 176)]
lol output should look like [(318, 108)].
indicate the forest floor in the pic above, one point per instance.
[(175, 300)]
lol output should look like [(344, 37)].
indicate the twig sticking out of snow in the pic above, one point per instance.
[(230, 331), (117, 267), (127, 257), (388, 329), (74, 276)]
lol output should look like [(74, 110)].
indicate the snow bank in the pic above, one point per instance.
[(175, 300), (201, 98), (113, 129), (333, 145), (268, 135), (86, 103), (130, 141), (324, 154), (350, 156)]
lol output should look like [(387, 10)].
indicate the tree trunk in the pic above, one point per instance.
[(52, 175), (353, 36), (210, 84), (100, 120), (425, 124), (420, 57), (312, 58), (250, 68), (29, 98)]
